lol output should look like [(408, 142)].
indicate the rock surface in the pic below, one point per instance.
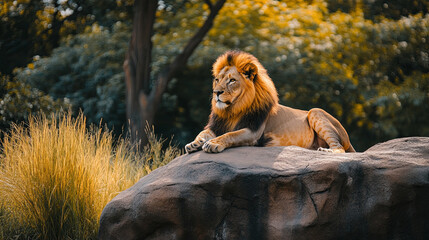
[(280, 193)]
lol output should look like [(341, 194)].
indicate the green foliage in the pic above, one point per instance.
[(365, 66), (18, 101), (31, 27), (56, 176), (402, 109), (379, 9), (87, 70), (340, 65)]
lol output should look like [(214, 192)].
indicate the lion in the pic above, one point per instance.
[(245, 111)]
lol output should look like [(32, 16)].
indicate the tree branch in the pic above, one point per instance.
[(181, 60)]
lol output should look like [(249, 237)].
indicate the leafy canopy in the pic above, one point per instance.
[(367, 69)]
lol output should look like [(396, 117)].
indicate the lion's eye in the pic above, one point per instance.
[(231, 80), (216, 80)]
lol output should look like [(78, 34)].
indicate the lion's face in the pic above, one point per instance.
[(231, 90)]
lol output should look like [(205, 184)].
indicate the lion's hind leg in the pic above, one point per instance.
[(330, 130)]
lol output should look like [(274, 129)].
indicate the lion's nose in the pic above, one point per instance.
[(218, 92)]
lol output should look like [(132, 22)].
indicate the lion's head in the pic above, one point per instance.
[(241, 84)]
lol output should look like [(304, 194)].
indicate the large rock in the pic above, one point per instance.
[(280, 193)]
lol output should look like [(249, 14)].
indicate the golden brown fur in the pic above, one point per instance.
[(245, 111)]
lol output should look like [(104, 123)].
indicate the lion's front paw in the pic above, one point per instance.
[(325, 150), (335, 150), (194, 146), (213, 147)]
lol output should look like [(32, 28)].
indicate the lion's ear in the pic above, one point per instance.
[(250, 70)]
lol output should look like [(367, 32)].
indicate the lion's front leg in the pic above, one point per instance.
[(242, 137), (201, 138)]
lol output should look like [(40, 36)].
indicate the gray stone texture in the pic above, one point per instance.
[(280, 193)]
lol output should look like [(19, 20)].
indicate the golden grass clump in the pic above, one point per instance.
[(56, 176)]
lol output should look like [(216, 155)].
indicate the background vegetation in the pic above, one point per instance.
[(365, 62)]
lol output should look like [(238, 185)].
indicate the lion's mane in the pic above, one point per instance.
[(249, 111)]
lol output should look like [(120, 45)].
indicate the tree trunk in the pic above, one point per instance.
[(137, 68), (142, 100)]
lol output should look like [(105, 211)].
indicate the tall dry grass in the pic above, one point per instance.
[(56, 176)]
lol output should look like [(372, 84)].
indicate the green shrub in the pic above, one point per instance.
[(18, 100), (87, 70)]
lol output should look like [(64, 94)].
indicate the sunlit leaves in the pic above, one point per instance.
[(369, 71)]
